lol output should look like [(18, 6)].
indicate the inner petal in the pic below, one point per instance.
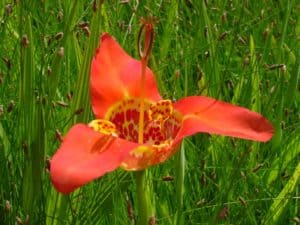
[(104, 127), (154, 131), (161, 122)]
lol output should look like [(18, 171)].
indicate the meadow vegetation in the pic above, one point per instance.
[(243, 52)]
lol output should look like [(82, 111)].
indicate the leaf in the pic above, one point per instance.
[(283, 199)]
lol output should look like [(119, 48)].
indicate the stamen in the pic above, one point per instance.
[(147, 28)]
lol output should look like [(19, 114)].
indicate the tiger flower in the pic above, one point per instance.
[(89, 151)]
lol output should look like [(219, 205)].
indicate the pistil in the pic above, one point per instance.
[(144, 203), (142, 103), (144, 52)]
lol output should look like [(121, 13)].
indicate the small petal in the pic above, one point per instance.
[(208, 115), (86, 155), (115, 75), (145, 156)]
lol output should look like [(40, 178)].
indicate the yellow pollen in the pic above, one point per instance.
[(104, 127), (141, 151)]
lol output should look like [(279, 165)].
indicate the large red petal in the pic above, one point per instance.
[(84, 156), (204, 114), (116, 75)]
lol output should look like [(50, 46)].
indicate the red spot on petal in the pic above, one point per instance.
[(130, 127), (125, 131), (135, 116), (128, 115)]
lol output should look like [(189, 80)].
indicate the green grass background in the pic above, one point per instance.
[(244, 52)]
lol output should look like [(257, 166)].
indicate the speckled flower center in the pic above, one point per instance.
[(161, 122)]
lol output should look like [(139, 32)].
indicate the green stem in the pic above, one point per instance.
[(180, 167), (143, 198)]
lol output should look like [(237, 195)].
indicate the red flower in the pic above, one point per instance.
[(111, 141)]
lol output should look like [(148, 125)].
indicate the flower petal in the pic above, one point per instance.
[(86, 155), (204, 114), (115, 75), (145, 156)]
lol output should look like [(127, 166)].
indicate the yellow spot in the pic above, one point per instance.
[(125, 166), (141, 151), (161, 110), (163, 145), (104, 127)]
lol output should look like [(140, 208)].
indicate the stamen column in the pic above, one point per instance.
[(143, 195)]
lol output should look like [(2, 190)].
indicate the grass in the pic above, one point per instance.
[(244, 52)]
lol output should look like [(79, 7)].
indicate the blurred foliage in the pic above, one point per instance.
[(245, 52)]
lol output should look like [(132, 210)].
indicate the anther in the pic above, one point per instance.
[(146, 29)]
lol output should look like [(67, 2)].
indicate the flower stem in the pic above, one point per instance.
[(143, 193), (180, 167), (143, 199)]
